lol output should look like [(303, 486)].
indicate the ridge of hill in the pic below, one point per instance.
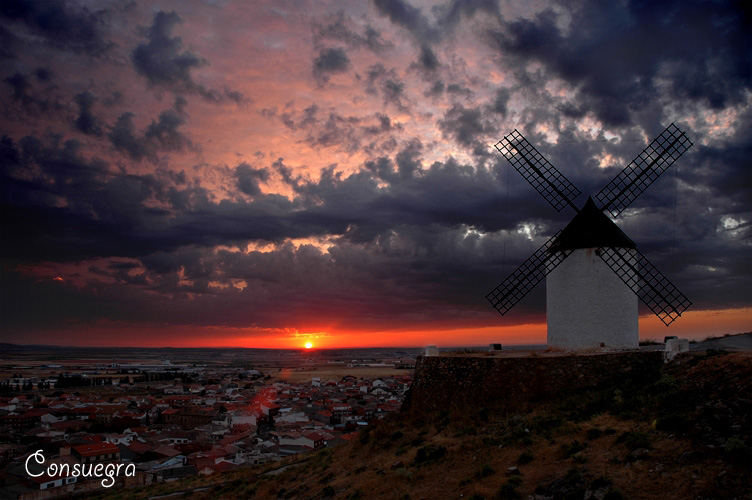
[(686, 434)]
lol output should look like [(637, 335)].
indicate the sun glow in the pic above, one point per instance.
[(308, 345)]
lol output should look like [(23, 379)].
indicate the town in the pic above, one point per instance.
[(178, 420)]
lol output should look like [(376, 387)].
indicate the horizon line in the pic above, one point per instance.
[(264, 348)]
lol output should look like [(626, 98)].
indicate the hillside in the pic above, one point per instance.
[(684, 435)]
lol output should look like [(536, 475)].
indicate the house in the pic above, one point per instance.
[(316, 440), (240, 419), (339, 410), (120, 438), (45, 481), (269, 408), (189, 417), (166, 451), (96, 453), (106, 413), (21, 421), (38, 478)]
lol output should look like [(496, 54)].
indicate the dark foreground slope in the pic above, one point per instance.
[(685, 433)]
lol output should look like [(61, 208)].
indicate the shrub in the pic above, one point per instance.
[(600, 482), (594, 433), (673, 423), (356, 495), (405, 474), (365, 435), (417, 441), (614, 495), (429, 453), (484, 471), (634, 440), (736, 448), (508, 491), (326, 478), (483, 414), (525, 458), (567, 450)]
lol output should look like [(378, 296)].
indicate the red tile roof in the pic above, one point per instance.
[(94, 449)]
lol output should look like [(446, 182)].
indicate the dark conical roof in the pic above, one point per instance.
[(591, 228)]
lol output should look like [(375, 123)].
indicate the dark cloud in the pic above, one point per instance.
[(248, 178), (417, 227), (436, 89), (428, 59), (31, 100), (86, 122), (438, 226), (409, 159), (501, 99), (20, 85), (161, 135), (394, 93), (446, 16), (389, 84), (163, 62), (623, 69), (160, 60), (340, 29), (465, 125), (165, 131), (411, 18), (459, 90), (330, 129), (63, 24), (123, 137), (374, 74), (8, 44), (102, 209), (43, 74), (329, 61)]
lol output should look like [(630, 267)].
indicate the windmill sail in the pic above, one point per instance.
[(642, 277), (525, 277), (544, 177), (643, 170)]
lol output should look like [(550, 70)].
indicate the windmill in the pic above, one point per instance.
[(588, 262)]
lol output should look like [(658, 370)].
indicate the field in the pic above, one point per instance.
[(302, 375)]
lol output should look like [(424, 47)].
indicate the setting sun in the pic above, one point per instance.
[(308, 345)]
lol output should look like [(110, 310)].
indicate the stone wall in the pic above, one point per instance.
[(467, 383)]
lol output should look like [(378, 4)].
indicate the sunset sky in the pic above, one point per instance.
[(263, 174)]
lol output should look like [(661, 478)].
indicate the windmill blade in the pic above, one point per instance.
[(525, 277), (643, 170), (642, 277), (544, 177)]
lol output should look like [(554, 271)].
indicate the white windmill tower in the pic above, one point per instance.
[(596, 271)]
